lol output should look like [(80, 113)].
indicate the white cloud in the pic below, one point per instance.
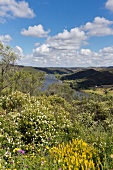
[(5, 38), (37, 44), (19, 50), (44, 57), (68, 40), (104, 57), (36, 31), (99, 27), (60, 48), (11, 8), (109, 5), (67, 47), (106, 50), (85, 52), (42, 50)]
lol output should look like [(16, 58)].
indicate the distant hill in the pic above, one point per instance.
[(52, 70), (100, 78), (80, 75), (92, 77)]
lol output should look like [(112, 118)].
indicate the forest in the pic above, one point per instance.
[(55, 129)]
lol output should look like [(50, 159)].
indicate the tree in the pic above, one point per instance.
[(28, 80), (7, 60), (63, 90), (13, 77)]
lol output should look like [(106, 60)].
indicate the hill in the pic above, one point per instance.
[(91, 77), (80, 74)]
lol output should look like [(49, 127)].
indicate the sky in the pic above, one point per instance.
[(58, 33)]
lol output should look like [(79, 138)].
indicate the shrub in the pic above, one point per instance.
[(77, 155)]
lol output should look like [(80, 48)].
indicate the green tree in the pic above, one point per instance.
[(13, 77), (28, 81), (61, 89), (7, 61)]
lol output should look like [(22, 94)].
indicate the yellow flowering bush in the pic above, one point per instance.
[(76, 155)]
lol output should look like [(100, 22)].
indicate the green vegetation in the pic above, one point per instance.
[(28, 80), (13, 77), (100, 91), (61, 89), (52, 130), (31, 126), (8, 58)]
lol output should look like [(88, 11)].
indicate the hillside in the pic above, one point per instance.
[(80, 74), (52, 70), (91, 77)]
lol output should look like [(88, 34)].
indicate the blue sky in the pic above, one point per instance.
[(59, 33)]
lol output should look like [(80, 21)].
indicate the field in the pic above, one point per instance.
[(100, 91)]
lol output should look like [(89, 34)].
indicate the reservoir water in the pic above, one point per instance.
[(49, 79)]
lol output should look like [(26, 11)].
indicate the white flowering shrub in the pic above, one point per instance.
[(41, 121), (14, 101)]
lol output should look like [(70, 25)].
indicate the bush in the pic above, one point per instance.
[(77, 155)]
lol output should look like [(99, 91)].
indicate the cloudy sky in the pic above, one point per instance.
[(62, 33)]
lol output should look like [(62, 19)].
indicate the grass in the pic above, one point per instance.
[(100, 91)]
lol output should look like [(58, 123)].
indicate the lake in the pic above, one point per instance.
[(49, 79)]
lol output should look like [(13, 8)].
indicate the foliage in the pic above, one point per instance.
[(77, 155), (13, 77), (32, 126), (28, 81), (38, 121), (8, 58), (62, 90)]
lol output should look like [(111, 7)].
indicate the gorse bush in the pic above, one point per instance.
[(77, 155)]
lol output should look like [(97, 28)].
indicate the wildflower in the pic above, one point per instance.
[(11, 162), (16, 149), (47, 147), (38, 150), (21, 151), (111, 155), (76, 154), (42, 162)]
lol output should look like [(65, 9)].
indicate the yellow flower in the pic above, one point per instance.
[(111, 156), (47, 147), (77, 154), (16, 149), (38, 150)]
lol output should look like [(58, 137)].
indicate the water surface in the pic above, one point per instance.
[(49, 79)]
